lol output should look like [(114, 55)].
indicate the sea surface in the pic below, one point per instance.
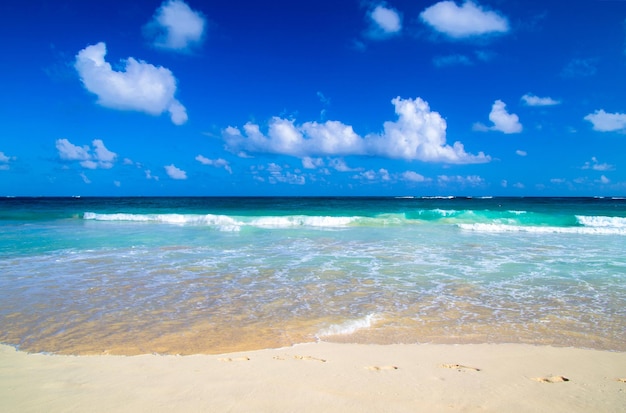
[(212, 275)]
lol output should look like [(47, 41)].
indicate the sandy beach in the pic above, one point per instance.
[(322, 376)]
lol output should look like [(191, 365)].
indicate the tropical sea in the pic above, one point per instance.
[(213, 275)]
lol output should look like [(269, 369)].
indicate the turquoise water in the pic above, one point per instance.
[(208, 275)]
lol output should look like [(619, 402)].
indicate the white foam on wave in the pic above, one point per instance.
[(516, 212), (302, 221), (221, 222), (445, 212), (348, 327), (602, 222), (227, 223), (496, 228)]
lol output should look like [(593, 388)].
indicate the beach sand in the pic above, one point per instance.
[(321, 377)]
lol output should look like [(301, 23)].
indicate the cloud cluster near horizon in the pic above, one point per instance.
[(417, 134), (218, 163), (468, 20), (140, 87), (90, 158), (176, 27)]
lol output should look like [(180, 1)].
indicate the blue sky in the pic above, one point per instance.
[(347, 97)]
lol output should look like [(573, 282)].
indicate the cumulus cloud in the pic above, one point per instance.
[(414, 177), (4, 161), (140, 87), (532, 100), (607, 122), (149, 175), (90, 158), (218, 163), (597, 166), (175, 173), (341, 166), (502, 120), (312, 163), (468, 20), (520, 152), (278, 174), (175, 26), (417, 134), (470, 180), (384, 22), (381, 175)]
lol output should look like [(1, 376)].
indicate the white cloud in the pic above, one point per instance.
[(468, 20), (100, 157), (4, 161), (607, 122), (175, 173), (371, 175), (385, 22), (532, 100), (276, 175), (324, 101), (417, 134), (71, 152), (502, 120), (414, 177), (85, 179), (470, 180), (520, 152), (597, 166), (140, 87), (341, 166), (312, 163), (149, 175), (218, 163), (604, 180), (175, 26)]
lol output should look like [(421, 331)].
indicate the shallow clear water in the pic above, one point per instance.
[(209, 275)]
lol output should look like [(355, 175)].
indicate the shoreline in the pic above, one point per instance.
[(321, 376)]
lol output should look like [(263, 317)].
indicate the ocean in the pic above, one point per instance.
[(213, 275)]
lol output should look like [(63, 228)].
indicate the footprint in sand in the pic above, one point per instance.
[(380, 368), (310, 358), (459, 367), (297, 357), (234, 359), (551, 379)]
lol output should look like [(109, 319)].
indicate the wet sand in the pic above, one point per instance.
[(329, 377)]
